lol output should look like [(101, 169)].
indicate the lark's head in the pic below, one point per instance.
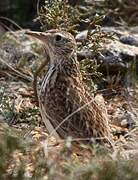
[(57, 44)]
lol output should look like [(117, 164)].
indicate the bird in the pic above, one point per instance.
[(66, 106)]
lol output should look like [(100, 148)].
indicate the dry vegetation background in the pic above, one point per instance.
[(26, 151)]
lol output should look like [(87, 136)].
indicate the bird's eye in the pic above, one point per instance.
[(58, 38)]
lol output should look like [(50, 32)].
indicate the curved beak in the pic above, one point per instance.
[(43, 37), (39, 35)]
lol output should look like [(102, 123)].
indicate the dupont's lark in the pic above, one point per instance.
[(66, 107)]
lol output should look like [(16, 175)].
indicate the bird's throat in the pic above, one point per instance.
[(65, 65)]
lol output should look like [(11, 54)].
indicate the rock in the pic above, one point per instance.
[(82, 36), (118, 31), (134, 30), (1, 119), (110, 61), (2, 30), (123, 118), (101, 102), (16, 50), (84, 53), (116, 54), (124, 123), (131, 40)]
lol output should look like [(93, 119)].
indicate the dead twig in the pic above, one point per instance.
[(17, 73)]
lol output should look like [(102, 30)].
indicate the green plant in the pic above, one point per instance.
[(9, 145), (59, 14), (7, 106)]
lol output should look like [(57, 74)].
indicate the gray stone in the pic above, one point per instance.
[(82, 35), (116, 54)]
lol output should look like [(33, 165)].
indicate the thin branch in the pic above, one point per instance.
[(11, 21), (79, 109), (37, 7), (18, 73)]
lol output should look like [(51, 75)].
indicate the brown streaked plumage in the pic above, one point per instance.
[(66, 107)]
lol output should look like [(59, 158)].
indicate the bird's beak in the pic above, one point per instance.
[(39, 35)]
